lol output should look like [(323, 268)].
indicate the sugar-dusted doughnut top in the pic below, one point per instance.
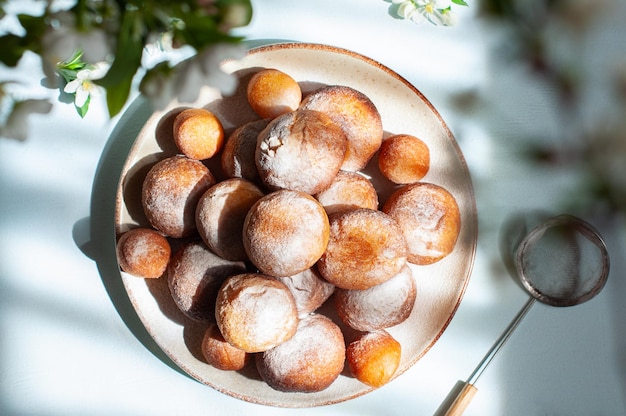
[(220, 214), (404, 158), (301, 150), (198, 133), (170, 194), (382, 306), (365, 248), (143, 252), (374, 357), (309, 290), (195, 274), (285, 233), (272, 92), (349, 190), (255, 312), (309, 362), (356, 114), (429, 218), (219, 353), (237, 158)]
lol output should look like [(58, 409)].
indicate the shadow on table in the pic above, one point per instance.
[(101, 244)]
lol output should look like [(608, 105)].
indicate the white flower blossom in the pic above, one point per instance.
[(62, 39), (206, 69), (448, 17), (434, 11), (160, 48), (83, 86), (190, 75)]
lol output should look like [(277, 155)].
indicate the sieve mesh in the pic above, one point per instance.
[(563, 262)]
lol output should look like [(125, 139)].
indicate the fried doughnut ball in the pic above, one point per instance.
[(429, 218), (382, 306), (198, 133), (170, 193), (365, 248), (143, 252), (374, 357), (219, 353), (238, 156), (309, 290), (285, 233), (195, 275), (301, 150), (220, 214), (309, 362), (255, 312), (272, 92), (349, 190), (356, 114), (403, 159)]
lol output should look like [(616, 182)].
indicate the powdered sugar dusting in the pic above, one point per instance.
[(285, 233), (301, 150), (426, 213), (380, 306), (310, 361), (255, 312), (309, 290), (171, 191), (194, 277), (268, 312)]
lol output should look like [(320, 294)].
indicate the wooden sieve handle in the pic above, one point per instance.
[(457, 400)]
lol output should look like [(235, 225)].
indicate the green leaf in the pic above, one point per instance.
[(235, 13), (35, 27), (118, 79), (12, 50), (198, 31), (67, 74), (82, 111), (75, 62), (68, 69), (460, 2), (117, 95)]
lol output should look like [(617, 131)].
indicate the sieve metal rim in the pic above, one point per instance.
[(586, 229)]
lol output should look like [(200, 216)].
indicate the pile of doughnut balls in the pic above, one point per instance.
[(293, 223)]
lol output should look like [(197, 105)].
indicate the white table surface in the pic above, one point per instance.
[(70, 344)]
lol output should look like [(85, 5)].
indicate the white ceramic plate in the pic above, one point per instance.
[(403, 110)]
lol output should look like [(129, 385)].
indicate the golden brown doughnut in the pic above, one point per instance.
[(255, 312), (380, 306), (309, 290), (429, 218), (285, 233), (220, 215), (301, 150), (238, 155), (309, 362), (219, 353), (198, 133), (195, 274), (349, 190), (143, 252), (355, 113), (374, 358), (272, 92), (403, 159), (170, 193), (365, 248)]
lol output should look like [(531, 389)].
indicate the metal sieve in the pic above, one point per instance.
[(561, 262)]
